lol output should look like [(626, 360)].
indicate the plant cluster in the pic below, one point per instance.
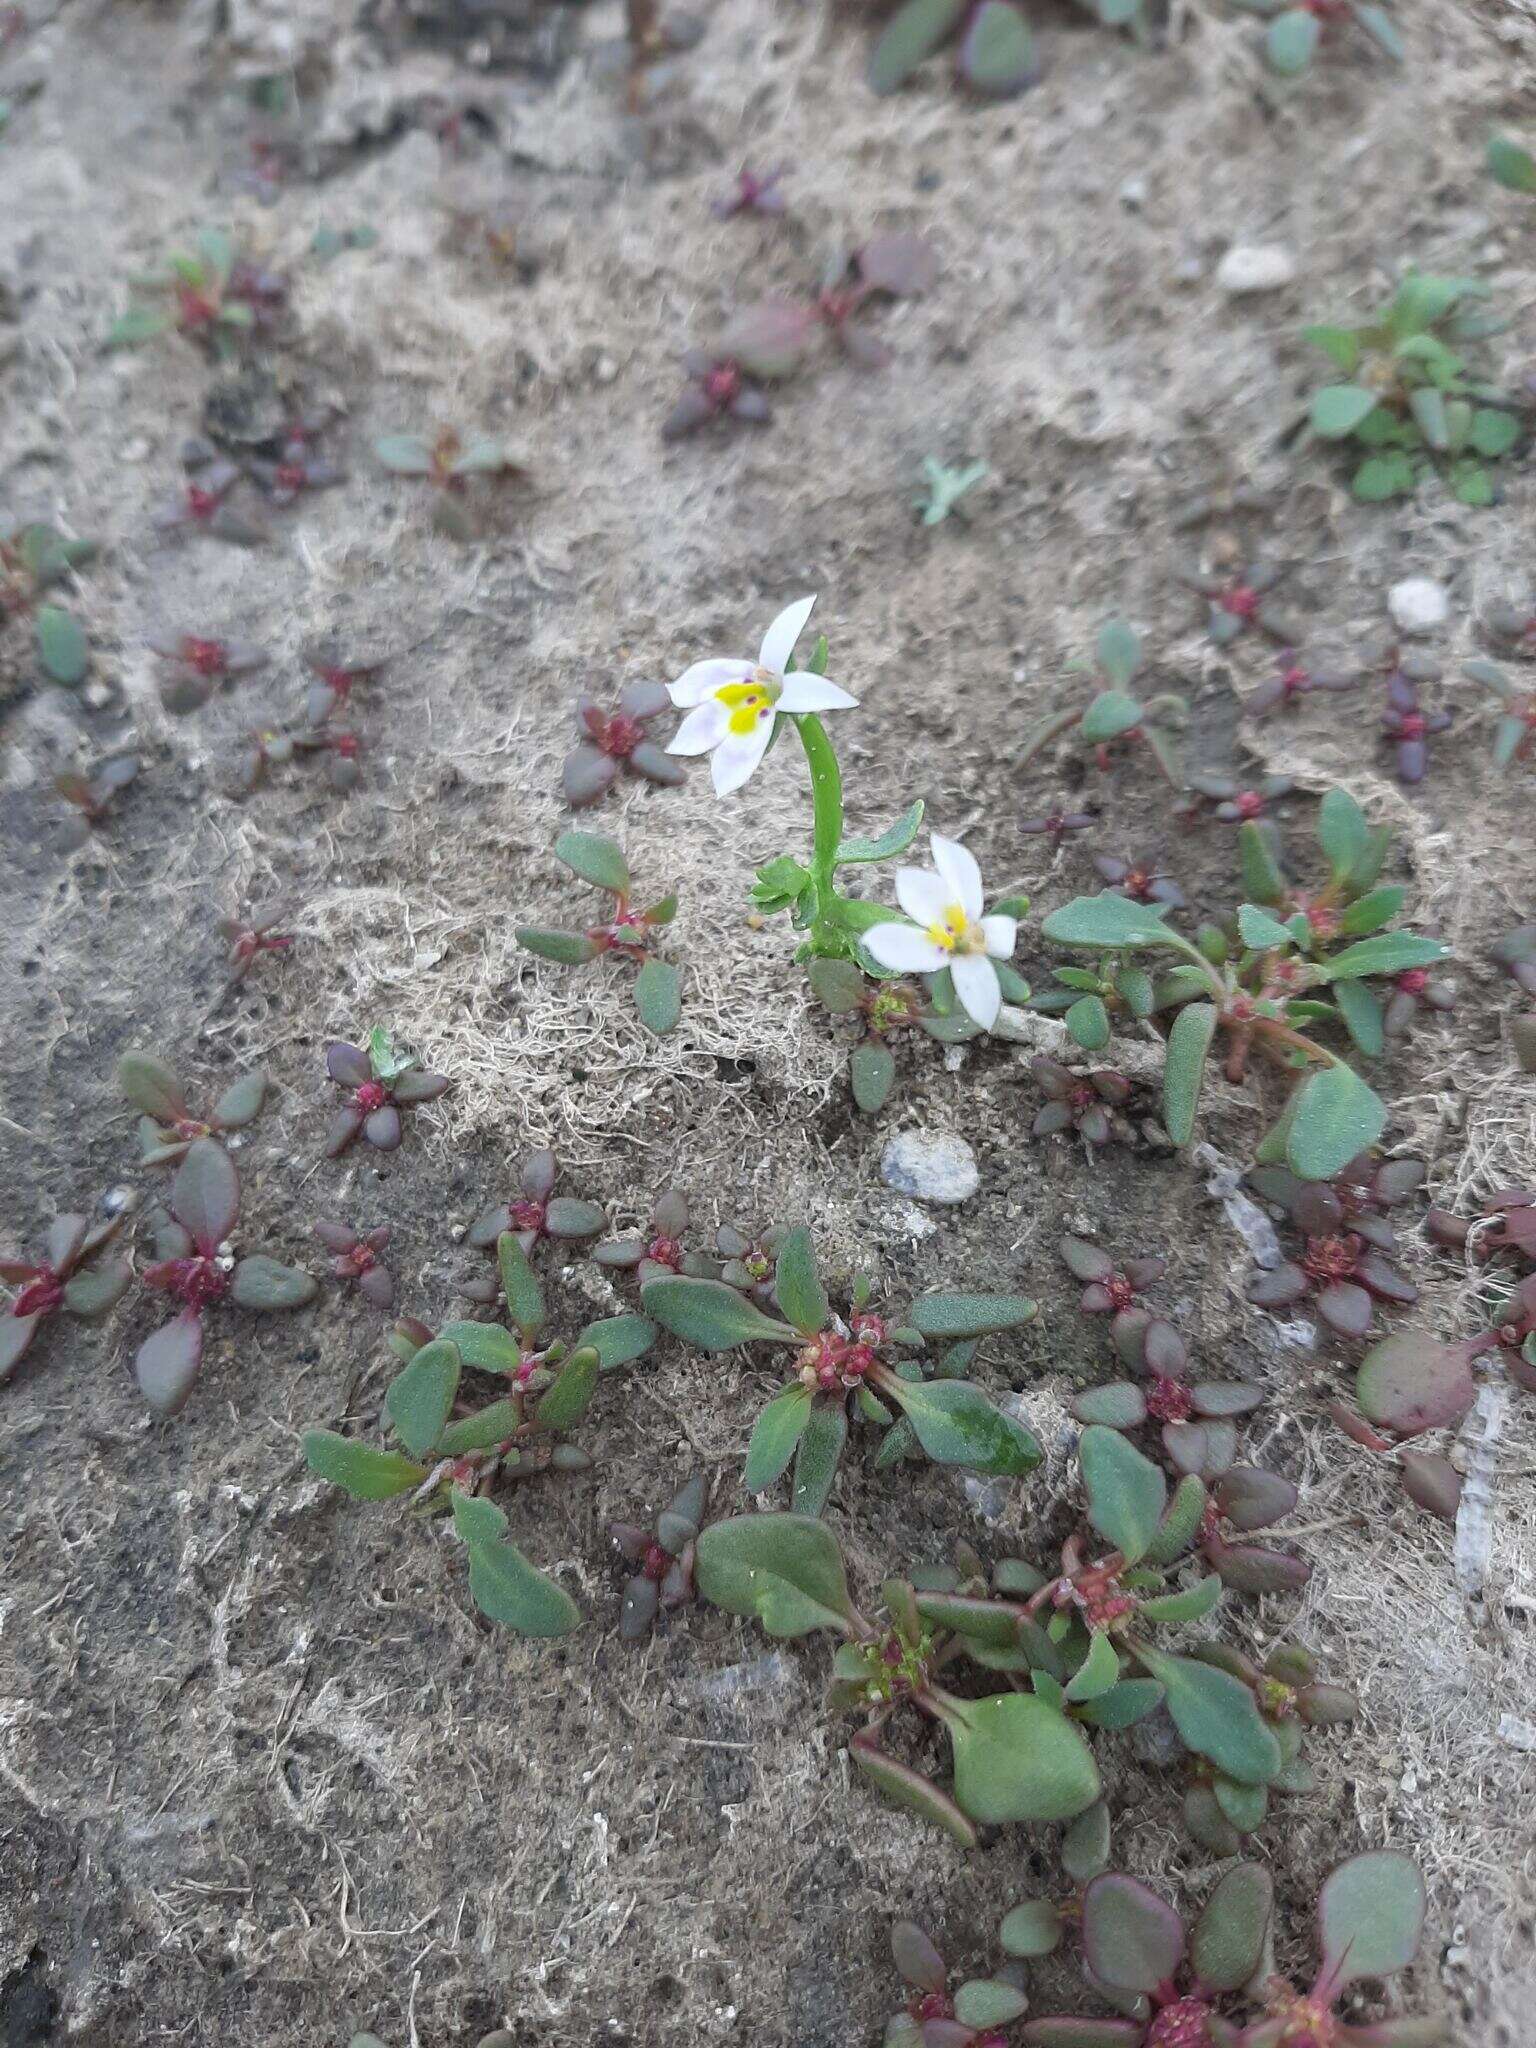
[(1413, 404), (459, 471), (994, 41), (768, 343), (617, 741), (1113, 719), (625, 930), (69, 1279), (211, 295), (1294, 35), (167, 1127), (94, 796), (662, 1558), (37, 559), (453, 1450), (378, 1082)]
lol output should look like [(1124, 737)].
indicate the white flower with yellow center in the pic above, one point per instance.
[(948, 930), (732, 705)]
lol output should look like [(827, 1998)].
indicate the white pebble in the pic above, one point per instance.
[(1257, 268), (931, 1166), (1418, 604)]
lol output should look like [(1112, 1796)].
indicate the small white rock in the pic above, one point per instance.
[(1418, 604), (1261, 267), (931, 1166), (1133, 194)]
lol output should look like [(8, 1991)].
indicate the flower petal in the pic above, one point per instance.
[(695, 684), (705, 726), (735, 759), (814, 693), (922, 895), (1001, 935), (976, 986), (904, 949), (779, 640), (959, 869)]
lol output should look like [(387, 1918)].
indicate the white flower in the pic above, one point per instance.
[(732, 705), (948, 930)]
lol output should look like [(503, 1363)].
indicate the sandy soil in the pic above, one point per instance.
[(264, 1774)]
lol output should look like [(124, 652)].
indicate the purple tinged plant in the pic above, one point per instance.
[(1143, 879), (454, 467), (974, 2014), (1409, 728), (68, 1279), (1230, 802), (1293, 680), (212, 296), (1056, 825), (994, 53), (194, 665), (201, 505), (93, 796), (658, 1252), (619, 739), (1082, 1102), (167, 1127), (535, 1213), (598, 861), (719, 387), (662, 1560), (755, 192), (252, 933), (1114, 718), (1238, 600), (380, 1083), (355, 1260), (193, 1268), (1344, 1266)]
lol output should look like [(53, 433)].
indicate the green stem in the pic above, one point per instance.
[(827, 831)]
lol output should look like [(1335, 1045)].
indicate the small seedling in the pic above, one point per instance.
[(1231, 802), (1409, 728), (969, 2015), (1514, 734), (66, 1280), (864, 1366), (93, 796), (756, 192), (1292, 681), (1413, 404), (658, 985), (1258, 994), (534, 1214), (452, 466), (1114, 718), (447, 1461), (194, 665), (615, 740), (355, 1260), (1348, 1245), (1220, 1812), (295, 464), (897, 265), (380, 1083), (1238, 601), (719, 387), (658, 1253), (1510, 166), (334, 680), (1295, 34), (211, 295), (192, 1265), (882, 1008), (662, 1558), (34, 560), (1081, 1102), (944, 490), (202, 504), (1143, 879), (250, 935), (1057, 825), (167, 1127)]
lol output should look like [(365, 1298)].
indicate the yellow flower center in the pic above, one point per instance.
[(956, 933), (751, 702)]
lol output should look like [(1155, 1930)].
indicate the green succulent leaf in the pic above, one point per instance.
[(912, 35), (1110, 922), (905, 1787), (894, 839), (1215, 1715), (956, 1424), (1338, 409), (1189, 1041), (1018, 1759), (1290, 41), (1126, 1492), (774, 1436), (950, 1318), (659, 996), (1034, 1929), (711, 1316), (502, 1582), (485, 1346), (521, 1285), (1512, 166), (1386, 953), (570, 949), (420, 1399), (1230, 1939), (872, 1075), (817, 1457), (617, 1340), (1370, 1918), (797, 1285), (1110, 716), (360, 1469), (1087, 1023), (564, 1404), (785, 1571), (62, 646), (1333, 1117)]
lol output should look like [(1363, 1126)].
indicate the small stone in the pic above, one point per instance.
[(1257, 268), (1133, 194), (1418, 604), (931, 1166)]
